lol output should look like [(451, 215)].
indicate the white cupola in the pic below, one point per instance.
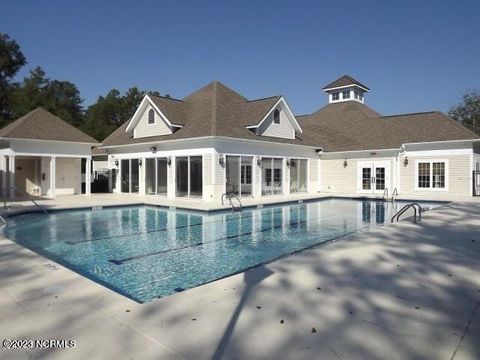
[(345, 88)]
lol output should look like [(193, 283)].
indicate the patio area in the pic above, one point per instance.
[(402, 291)]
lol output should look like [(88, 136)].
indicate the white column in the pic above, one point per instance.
[(11, 169), (88, 175), (53, 171), (141, 177), (3, 167)]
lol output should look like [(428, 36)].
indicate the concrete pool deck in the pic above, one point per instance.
[(402, 291)]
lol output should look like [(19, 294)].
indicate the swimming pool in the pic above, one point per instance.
[(146, 252)]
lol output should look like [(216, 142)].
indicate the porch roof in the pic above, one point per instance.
[(39, 124)]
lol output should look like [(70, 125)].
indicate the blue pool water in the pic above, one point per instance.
[(148, 252)]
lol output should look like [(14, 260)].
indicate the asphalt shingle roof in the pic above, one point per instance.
[(345, 80), (39, 124), (216, 110)]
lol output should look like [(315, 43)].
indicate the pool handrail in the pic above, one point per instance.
[(413, 205), (30, 197)]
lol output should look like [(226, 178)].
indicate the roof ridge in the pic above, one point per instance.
[(265, 98), (414, 113), (165, 97), (214, 107)]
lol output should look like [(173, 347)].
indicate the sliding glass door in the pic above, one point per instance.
[(239, 175), (189, 176), (156, 176), (129, 175), (125, 176), (298, 175), (272, 176), (162, 176), (150, 177)]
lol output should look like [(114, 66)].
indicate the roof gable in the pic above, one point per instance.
[(39, 124), (291, 117), (170, 106)]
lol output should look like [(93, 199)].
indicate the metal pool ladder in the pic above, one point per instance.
[(414, 206), (392, 198), (24, 193), (229, 196)]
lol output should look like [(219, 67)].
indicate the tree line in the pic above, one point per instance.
[(60, 97), (100, 119)]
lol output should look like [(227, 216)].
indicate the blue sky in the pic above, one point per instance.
[(414, 55)]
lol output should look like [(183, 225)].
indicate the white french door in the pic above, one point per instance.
[(373, 177)]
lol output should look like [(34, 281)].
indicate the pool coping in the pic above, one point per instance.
[(29, 210)]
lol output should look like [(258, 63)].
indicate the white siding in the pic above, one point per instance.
[(283, 130), (336, 178), (144, 129), (313, 175), (459, 177)]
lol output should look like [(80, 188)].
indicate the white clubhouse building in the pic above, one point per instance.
[(216, 141)]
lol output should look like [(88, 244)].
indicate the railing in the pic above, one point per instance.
[(385, 194), (394, 193), (415, 206), (24, 193), (229, 196)]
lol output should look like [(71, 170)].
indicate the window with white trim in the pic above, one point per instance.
[(431, 174), (276, 116), (335, 96), (346, 94), (151, 116)]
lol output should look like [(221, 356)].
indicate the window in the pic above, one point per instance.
[(246, 174), (239, 175), (189, 176), (431, 175), (346, 94), (438, 175), (276, 116), (298, 175), (335, 96), (424, 175), (272, 176), (151, 116), (277, 175)]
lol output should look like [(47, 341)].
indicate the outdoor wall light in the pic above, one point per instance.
[(153, 149), (221, 160), (345, 163), (116, 163), (288, 162), (140, 162), (405, 161), (169, 160), (259, 161)]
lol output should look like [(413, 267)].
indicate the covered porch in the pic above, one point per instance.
[(43, 156), (24, 175)]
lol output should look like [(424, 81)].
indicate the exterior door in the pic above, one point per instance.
[(373, 177)]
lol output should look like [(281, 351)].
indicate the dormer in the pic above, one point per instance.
[(346, 88), (150, 118), (278, 122)]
